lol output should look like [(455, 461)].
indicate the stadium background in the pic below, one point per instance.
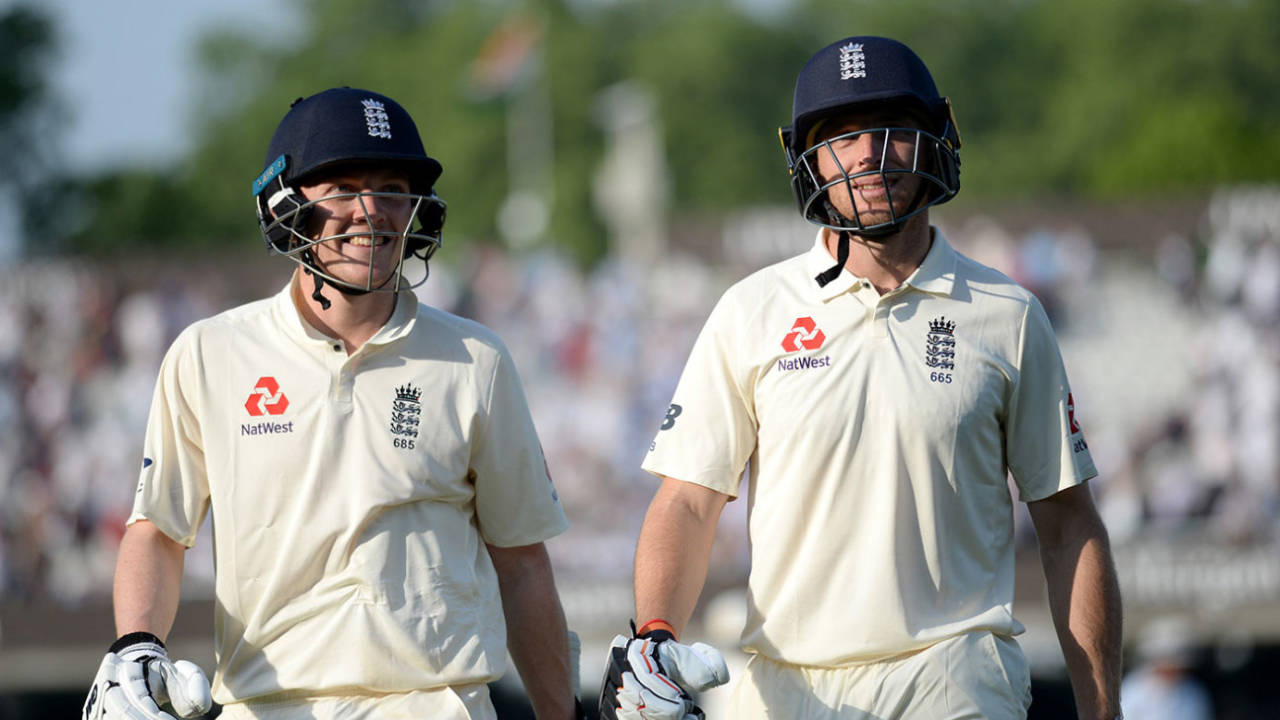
[(611, 167)]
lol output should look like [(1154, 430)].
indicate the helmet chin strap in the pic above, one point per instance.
[(307, 258), (317, 294), (842, 256)]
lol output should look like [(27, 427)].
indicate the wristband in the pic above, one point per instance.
[(134, 638), (656, 625)]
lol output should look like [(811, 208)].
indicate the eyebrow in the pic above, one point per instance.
[(349, 179)]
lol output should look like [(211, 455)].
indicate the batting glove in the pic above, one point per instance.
[(136, 678), (649, 677)]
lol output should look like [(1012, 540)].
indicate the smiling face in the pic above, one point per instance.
[(865, 159), (360, 217)]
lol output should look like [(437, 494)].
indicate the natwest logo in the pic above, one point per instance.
[(804, 334), (267, 398)]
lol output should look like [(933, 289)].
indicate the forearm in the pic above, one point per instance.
[(537, 634), (1084, 599), (672, 555), (148, 581)]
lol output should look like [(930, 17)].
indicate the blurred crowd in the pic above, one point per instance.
[(600, 353), (1211, 463), (81, 343), (79, 353)]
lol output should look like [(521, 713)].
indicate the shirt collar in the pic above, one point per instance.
[(290, 318), (817, 261), (401, 321), (937, 272), (935, 275), (397, 326)]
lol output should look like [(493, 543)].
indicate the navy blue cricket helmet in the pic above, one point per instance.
[(332, 129), (866, 73)]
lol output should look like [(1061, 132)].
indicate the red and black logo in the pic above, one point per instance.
[(267, 398)]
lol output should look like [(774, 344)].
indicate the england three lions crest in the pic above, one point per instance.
[(406, 412), (940, 345)]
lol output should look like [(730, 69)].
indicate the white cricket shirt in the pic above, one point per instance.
[(352, 496), (878, 432)]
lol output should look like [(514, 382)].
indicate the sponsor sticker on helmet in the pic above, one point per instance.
[(274, 169)]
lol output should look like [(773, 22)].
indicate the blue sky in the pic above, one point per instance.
[(125, 71), (126, 68), (126, 74)]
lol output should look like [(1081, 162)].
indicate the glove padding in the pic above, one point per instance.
[(650, 677), (136, 678)]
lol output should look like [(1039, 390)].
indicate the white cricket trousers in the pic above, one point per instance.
[(973, 676), (467, 702)]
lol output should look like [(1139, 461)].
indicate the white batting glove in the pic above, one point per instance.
[(649, 678), (136, 677)]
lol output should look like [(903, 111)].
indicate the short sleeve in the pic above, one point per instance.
[(1045, 446), (516, 501), (173, 486), (709, 430)]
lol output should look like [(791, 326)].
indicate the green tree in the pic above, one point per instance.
[(1097, 98), (27, 113), (723, 83), (1157, 96)]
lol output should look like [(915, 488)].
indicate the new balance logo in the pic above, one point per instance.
[(266, 398)]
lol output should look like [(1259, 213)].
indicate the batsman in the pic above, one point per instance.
[(378, 493), (878, 390)]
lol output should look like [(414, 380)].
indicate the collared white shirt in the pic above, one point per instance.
[(352, 496), (879, 432)]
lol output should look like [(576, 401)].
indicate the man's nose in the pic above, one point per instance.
[(867, 149), (374, 205)]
